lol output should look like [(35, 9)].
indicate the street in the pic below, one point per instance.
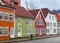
[(48, 40)]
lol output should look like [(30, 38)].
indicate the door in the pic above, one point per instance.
[(12, 33), (19, 32)]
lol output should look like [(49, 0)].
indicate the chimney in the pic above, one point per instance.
[(19, 2)]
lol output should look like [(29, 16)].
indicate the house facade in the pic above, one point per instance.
[(6, 22), (51, 22), (40, 25), (58, 23), (24, 23)]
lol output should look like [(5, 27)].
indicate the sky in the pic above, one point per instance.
[(50, 4)]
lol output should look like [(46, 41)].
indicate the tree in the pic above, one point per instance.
[(31, 4)]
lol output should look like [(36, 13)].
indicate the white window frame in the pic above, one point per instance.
[(31, 21), (2, 15), (27, 20), (11, 16), (52, 17), (30, 30), (18, 21), (6, 30), (27, 30), (54, 30), (2, 31), (10, 30), (8, 16)]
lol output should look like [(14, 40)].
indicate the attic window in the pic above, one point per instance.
[(40, 22)]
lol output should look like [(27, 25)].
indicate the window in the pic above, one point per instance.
[(40, 22), (1, 15), (47, 23), (1, 31), (27, 30), (54, 24), (37, 31), (10, 17), (58, 24), (12, 31), (27, 21), (54, 30), (50, 17), (30, 30), (19, 20), (6, 31), (47, 30), (6, 16), (51, 24), (30, 22), (19, 28)]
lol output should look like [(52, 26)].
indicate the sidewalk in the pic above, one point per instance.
[(28, 39)]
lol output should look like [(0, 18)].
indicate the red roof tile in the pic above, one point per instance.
[(6, 4), (22, 12), (45, 11), (58, 17)]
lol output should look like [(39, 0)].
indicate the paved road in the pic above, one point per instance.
[(49, 40)]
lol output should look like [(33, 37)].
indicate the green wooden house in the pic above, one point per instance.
[(24, 23)]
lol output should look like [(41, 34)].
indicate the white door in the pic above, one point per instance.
[(19, 32), (12, 33)]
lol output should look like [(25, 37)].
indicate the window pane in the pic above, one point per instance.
[(6, 16), (27, 21), (6, 31), (1, 31), (10, 18), (54, 24), (47, 30), (19, 20), (12, 31), (54, 30), (18, 30), (40, 22)]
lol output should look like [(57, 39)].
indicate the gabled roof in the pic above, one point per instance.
[(6, 4), (58, 17), (22, 12), (44, 11)]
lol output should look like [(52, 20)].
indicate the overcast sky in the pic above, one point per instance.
[(51, 4)]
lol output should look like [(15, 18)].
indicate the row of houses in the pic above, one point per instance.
[(16, 21)]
